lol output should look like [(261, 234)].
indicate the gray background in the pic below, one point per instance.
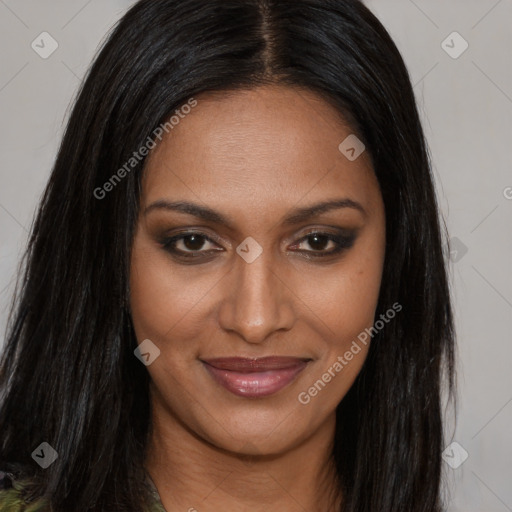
[(466, 107)]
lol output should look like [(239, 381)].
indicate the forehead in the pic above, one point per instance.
[(268, 144)]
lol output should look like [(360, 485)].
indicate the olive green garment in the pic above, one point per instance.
[(11, 500)]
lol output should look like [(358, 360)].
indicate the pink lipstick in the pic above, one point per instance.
[(254, 378)]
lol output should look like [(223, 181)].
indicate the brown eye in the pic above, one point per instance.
[(189, 245), (193, 242), (324, 244), (318, 242)]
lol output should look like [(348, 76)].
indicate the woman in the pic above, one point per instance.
[(235, 294)]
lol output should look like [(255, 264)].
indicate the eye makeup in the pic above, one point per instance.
[(189, 245)]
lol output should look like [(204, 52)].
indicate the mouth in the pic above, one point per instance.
[(255, 378)]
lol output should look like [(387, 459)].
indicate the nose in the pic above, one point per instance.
[(257, 301)]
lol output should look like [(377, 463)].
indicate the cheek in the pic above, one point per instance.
[(346, 300), (346, 306), (345, 297), (164, 302), (352, 300), (149, 292)]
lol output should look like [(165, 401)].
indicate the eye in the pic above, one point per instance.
[(324, 244), (194, 245), (190, 245)]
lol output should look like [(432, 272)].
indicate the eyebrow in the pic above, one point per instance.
[(297, 216)]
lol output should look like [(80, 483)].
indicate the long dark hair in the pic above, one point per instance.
[(68, 374)]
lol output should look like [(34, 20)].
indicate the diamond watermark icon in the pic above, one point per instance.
[(44, 45), (147, 352), (454, 45), (249, 249), (44, 455), (454, 455), (457, 249), (352, 147)]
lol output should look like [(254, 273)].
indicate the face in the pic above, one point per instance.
[(251, 291)]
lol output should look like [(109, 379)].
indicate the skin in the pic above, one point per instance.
[(254, 156)]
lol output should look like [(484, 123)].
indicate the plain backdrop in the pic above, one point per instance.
[(465, 100)]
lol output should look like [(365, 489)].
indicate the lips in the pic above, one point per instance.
[(254, 378)]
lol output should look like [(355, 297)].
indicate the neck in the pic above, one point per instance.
[(192, 474)]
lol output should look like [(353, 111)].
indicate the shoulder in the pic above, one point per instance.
[(11, 496), (5, 480)]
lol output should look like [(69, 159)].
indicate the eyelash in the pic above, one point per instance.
[(343, 242)]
